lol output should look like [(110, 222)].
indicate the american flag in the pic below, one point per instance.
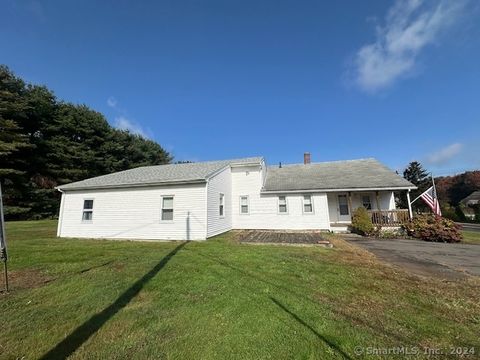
[(430, 197)]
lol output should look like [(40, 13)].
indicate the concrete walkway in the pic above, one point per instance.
[(450, 261)]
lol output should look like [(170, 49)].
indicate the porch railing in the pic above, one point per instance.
[(389, 217)]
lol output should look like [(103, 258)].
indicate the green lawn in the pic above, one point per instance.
[(219, 300), (471, 237)]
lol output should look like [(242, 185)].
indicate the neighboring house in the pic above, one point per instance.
[(468, 204), (195, 201)]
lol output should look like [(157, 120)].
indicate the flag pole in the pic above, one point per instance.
[(3, 241), (436, 196), (418, 197), (433, 182)]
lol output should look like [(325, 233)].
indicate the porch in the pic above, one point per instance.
[(379, 204)]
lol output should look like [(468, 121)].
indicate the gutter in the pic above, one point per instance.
[(134, 185), (265, 192)]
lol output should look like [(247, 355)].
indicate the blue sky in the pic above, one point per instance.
[(208, 80)]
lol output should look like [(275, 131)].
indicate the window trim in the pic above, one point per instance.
[(240, 205), (278, 205), (88, 210), (162, 208), (311, 204), (221, 203)]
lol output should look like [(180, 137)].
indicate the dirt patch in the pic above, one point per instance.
[(282, 237), (26, 279)]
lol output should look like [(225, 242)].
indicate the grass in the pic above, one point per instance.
[(219, 300), (471, 237)]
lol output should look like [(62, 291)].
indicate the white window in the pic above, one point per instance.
[(366, 202), (244, 204), (87, 214), (307, 204), (167, 208), (282, 205), (221, 206)]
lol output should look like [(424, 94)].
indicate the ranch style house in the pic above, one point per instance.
[(195, 201)]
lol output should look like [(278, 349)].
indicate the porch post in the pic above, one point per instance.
[(410, 214), (378, 201), (350, 203)]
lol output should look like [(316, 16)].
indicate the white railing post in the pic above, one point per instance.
[(410, 214)]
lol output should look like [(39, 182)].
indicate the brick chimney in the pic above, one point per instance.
[(306, 158)]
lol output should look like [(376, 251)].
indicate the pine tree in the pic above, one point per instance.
[(45, 142), (12, 141), (415, 173)]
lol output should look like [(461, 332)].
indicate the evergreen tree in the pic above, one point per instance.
[(45, 142), (12, 141), (415, 173)]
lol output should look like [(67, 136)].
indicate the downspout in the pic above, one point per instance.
[(206, 209), (60, 215)]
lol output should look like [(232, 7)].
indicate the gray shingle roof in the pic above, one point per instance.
[(150, 175), (473, 197), (350, 174)]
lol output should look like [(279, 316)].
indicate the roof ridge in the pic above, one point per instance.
[(325, 162)]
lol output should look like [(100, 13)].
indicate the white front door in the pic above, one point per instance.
[(343, 209)]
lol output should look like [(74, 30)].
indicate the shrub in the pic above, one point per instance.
[(434, 228), (387, 233), (362, 222)]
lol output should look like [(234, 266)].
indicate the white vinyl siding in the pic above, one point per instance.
[(135, 213), (263, 209), (218, 185)]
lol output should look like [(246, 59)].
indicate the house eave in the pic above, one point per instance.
[(135, 185), (389, 188)]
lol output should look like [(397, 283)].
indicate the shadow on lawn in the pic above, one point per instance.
[(372, 325), (82, 333), (315, 332)]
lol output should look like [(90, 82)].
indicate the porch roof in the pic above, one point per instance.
[(362, 174)]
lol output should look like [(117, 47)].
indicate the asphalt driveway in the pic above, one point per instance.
[(450, 261), (470, 226)]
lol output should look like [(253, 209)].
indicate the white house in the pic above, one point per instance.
[(195, 201)]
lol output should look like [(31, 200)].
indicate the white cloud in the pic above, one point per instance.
[(410, 25), (122, 123), (112, 102), (445, 154)]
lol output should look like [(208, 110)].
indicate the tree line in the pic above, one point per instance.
[(45, 142)]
